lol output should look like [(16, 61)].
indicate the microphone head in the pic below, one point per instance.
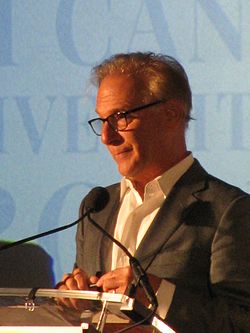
[(97, 199)]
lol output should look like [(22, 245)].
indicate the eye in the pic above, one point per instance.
[(119, 115)]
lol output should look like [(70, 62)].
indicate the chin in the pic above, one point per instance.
[(130, 170), (125, 172)]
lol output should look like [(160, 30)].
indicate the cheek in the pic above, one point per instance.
[(145, 140), (151, 149), (141, 150)]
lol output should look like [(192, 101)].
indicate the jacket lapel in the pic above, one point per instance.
[(180, 201), (107, 221)]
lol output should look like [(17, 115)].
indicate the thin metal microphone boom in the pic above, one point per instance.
[(97, 199), (43, 234)]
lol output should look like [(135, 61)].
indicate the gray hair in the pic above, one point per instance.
[(161, 76)]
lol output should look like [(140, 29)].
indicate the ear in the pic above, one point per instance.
[(175, 110)]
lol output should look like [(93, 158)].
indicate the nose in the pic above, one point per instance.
[(109, 135)]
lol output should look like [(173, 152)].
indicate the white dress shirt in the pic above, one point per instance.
[(136, 215)]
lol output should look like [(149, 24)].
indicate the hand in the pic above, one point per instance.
[(77, 280), (116, 280), (119, 279)]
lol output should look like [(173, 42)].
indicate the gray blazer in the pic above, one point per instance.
[(199, 240)]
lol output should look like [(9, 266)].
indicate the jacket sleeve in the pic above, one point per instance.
[(225, 305)]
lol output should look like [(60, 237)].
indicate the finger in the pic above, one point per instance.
[(81, 279), (64, 301), (62, 286), (117, 280), (70, 282), (76, 280), (71, 302), (65, 277), (93, 284), (108, 282), (104, 277), (93, 279)]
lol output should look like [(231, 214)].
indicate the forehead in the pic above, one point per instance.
[(117, 92)]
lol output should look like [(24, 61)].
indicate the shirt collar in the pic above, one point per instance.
[(163, 183)]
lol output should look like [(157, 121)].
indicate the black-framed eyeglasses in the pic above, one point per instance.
[(117, 121)]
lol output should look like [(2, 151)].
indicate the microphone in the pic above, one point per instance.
[(140, 275), (96, 200)]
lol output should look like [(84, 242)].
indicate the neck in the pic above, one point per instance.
[(140, 183)]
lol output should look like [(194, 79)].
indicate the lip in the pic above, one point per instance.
[(122, 152)]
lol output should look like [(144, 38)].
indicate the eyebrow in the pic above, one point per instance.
[(134, 109), (115, 111)]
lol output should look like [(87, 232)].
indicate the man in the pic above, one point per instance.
[(189, 230)]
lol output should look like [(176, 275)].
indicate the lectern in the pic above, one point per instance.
[(26, 309)]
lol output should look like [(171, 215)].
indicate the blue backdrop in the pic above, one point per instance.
[(49, 158)]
